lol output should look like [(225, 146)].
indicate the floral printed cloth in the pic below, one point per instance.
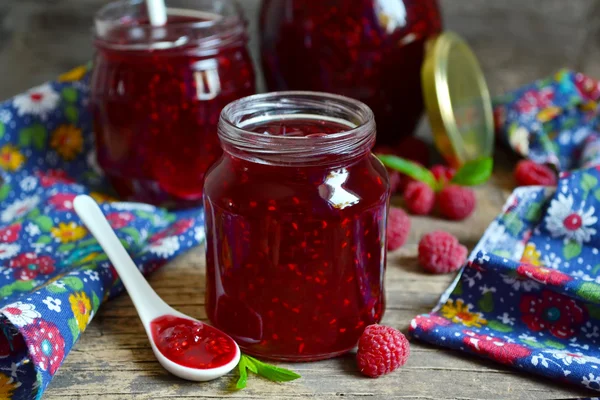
[(529, 297), (53, 274), (553, 121)]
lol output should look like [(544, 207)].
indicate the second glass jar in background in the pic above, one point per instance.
[(157, 93), (295, 225), (370, 50)]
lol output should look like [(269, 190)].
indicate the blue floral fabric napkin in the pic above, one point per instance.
[(53, 274), (529, 296), (553, 120)]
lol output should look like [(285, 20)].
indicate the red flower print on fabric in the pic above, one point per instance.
[(28, 266), (554, 312), (428, 322), (53, 177), (62, 201), (495, 348), (544, 275), (10, 234), (46, 345), (119, 220), (175, 229), (535, 100)]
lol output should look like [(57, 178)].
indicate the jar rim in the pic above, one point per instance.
[(279, 149), (217, 29)]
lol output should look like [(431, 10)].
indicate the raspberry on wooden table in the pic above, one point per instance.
[(381, 350), (440, 253), (419, 198), (529, 173), (398, 228), (456, 202)]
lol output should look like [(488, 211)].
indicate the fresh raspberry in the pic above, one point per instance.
[(528, 173), (419, 198), (414, 149), (440, 253), (398, 228), (395, 181), (456, 202), (381, 350), (442, 173)]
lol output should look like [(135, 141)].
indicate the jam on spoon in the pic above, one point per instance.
[(192, 343)]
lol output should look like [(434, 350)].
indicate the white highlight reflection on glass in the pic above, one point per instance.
[(335, 193)]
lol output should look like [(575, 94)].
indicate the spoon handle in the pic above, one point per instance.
[(148, 304)]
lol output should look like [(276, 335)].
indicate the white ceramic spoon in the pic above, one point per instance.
[(147, 303)]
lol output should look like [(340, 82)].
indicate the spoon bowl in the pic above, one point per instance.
[(169, 343)]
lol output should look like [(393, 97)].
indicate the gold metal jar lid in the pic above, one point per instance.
[(457, 100)]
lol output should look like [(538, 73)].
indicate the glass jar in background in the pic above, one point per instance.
[(370, 50), (295, 225), (157, 93)]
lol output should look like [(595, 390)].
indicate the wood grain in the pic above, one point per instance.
[(113, 360)]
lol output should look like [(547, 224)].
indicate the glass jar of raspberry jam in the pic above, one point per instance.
[(295, 223), (157, 93), (370, 50)]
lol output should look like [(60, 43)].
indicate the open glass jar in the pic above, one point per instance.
[(370, 50), (296, 214), (157, 93)]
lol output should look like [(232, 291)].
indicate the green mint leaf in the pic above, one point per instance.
[(409, 168), (273, 373), (250, 364), (243, 379), (474, 172)]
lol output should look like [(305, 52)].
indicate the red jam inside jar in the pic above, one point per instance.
[(192, 343), (295, 220), (369, 50), (157, 93)]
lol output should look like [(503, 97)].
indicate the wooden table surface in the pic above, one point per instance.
[(113, 360)]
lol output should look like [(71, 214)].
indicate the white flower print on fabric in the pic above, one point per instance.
[(564, 221), (131, 206), (19, 208), (165, 247), (20, 313), (541, 360), (591, 381), (551, 261), (28, 183), (5, 116), (506, 319), (590, 330), (485, 289), (93, 275), (527, 285), (52, 303), (32, 229), (569, 357), (8, 250), (59, 284), (39, 101), (528, 338)]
